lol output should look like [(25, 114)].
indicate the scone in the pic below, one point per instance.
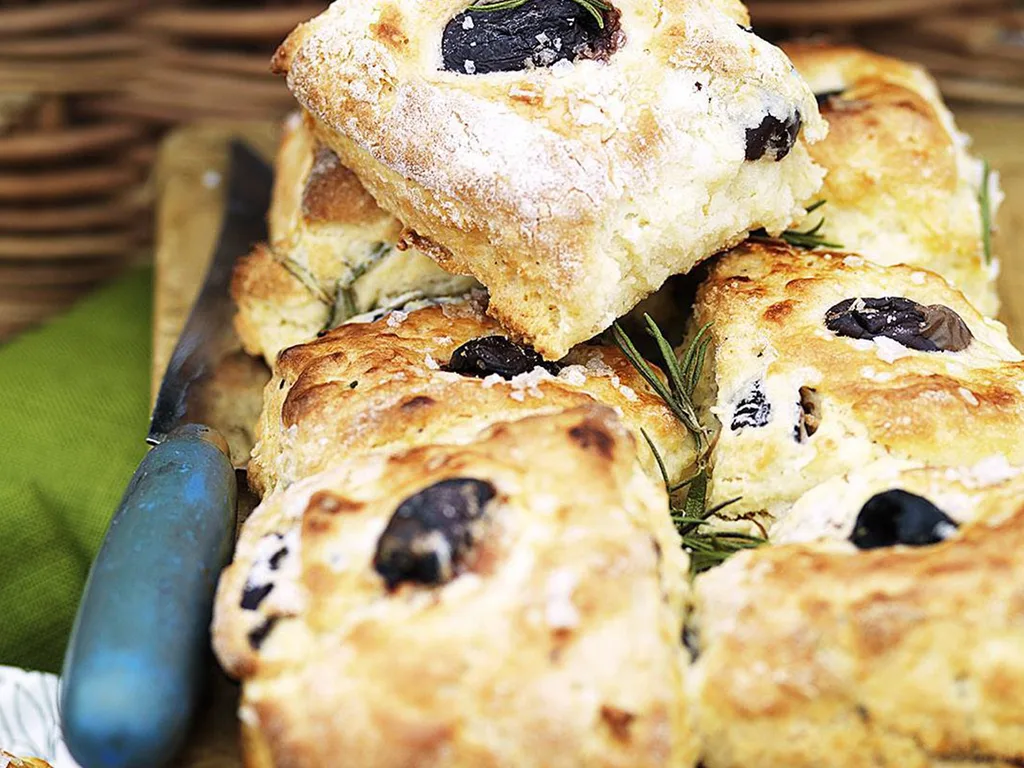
[(901, 187), (824, 363), (832, 655), (333, 253), (510, 602), (569, 155), (437, 374)]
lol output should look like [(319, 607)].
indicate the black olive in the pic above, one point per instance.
[(809, 417), (691, 642), (773, 137), (753, 410), (277, 557), (535, 34), (898, 517), (431, 532), (926, 329), (496, 354), (258, 635), (825, 97), (253, 595)]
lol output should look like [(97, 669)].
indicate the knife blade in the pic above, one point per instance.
[(134, 667)]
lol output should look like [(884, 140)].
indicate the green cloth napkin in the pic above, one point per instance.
[(75, 400)]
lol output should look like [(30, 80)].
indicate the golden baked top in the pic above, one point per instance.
[(573, 185), (333, 253), (823, 654), (485, 602), (801, 399), (391, 382), (901, 187)]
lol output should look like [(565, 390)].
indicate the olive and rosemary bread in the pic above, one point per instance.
[(898, 647), (822, 363), (439, 373), (516, 600), (901, 186), (568, 154), (333, 253)]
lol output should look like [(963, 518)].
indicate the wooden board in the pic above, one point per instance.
[(188, 220)]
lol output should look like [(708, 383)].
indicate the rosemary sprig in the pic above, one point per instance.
[(594, 7), (706, 547), (809, 239), (985, 201)]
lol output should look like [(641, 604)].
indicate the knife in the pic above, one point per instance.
[(135, 665)]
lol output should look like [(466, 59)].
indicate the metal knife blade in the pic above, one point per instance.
[(208, 335)]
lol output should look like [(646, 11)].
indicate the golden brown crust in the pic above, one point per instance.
[(900, 185), (365, 386), (571, 191), (328, 237), (560, 635), (816, 655), (874, 399)]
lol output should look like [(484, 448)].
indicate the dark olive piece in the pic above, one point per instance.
[(431, 532), (899, 517), (773, 137), (496, 354), (825, 97), (753, 410), (926, 329), (258, 635), (253, 595), (277, 557), (535, 34)]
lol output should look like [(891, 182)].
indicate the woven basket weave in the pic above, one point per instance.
[(72, 193)]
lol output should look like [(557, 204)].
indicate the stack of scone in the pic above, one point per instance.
[(469, 548)]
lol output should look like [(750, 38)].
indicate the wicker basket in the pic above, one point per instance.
[(72, 193)]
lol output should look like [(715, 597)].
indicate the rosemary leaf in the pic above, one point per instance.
[(985, 201), (809, 239), (595, 8), (657, 458)]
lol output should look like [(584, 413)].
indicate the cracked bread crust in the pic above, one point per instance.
[(869, 399), (559, 636), (901, 187), (364, 386), (328, 235), (901, 657), (572, 191)]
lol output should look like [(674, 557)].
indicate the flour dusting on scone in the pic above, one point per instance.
[(825, 363), (333, 253), (578, 159), (465, 605), (437, 374), (900, 187)]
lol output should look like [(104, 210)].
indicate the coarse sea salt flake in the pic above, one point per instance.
[(470, 66), (467, 23), (967, 395)]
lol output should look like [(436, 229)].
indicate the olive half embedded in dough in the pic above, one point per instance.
[(899, 517)]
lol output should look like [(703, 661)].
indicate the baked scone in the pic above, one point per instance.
[(333, 253), (437, 374), (824, 654), (824, 363), (901, 187), (570, 155), (513, 601)]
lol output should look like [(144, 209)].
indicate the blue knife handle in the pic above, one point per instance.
[(134, 669)]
